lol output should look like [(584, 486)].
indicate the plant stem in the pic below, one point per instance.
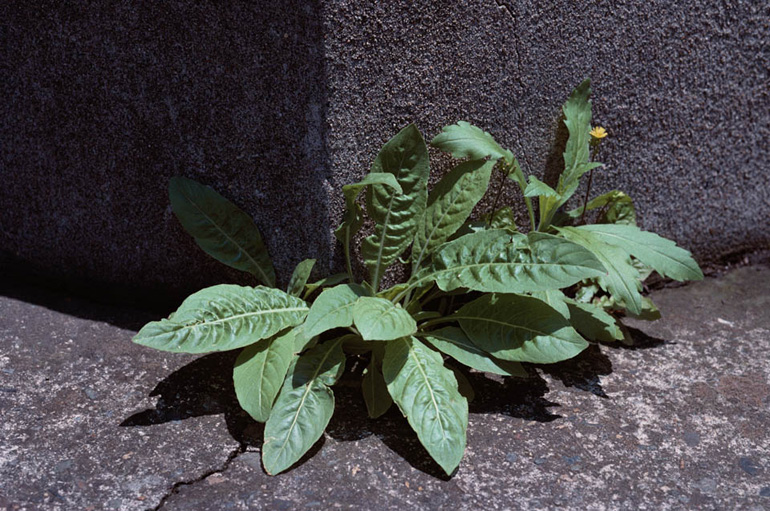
[(522, 182), (588, 186), (347, 261), (504, 175), (436, 321)]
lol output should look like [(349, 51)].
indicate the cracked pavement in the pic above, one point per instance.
[(682, 421)]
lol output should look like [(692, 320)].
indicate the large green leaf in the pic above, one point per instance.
[(304, 406), (378, 319), (464, 140), (299, 277), (450, 203), (259, 373), (375, 389), (498, 261), (555, 299), (622, 278), (452, 341), (577, 119), (332, 309), (220, 228), (660, 254), (353, 218), (224, 317), (426, 392), (395, 215), (519, 328), (593, 322)]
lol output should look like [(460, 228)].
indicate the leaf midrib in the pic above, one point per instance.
[(380, 249), (265, 278), (238, 316), (432, 395), (308, 386)]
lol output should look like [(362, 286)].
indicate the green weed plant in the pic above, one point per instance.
[(481, 294)]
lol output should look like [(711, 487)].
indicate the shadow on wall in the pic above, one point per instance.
[(106, 101)]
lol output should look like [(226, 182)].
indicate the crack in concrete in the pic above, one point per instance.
[(176, 486)]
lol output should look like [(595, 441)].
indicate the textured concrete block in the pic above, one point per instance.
[(277, 105)]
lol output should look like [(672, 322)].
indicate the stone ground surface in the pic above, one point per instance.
[(682, 421)]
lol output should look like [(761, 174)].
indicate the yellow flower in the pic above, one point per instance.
[(598, 132)]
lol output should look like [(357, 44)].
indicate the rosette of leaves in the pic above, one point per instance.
[(481, 295)]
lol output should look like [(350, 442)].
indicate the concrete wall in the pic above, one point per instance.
[(278, 104)]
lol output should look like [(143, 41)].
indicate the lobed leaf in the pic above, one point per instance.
[(220, 228), (259, 373), (657, 252), (303, 408), (450, 203), (464, 140), (426, 392), (395, 215), (353, 218), (519, 328), (378, 319), (622, 279), (224, 317)]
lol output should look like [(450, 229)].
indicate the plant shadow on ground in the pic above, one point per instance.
[(205, 387)]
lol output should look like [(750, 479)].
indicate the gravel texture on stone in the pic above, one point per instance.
[(679, 421)]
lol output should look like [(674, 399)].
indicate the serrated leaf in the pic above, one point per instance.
[(220, 228), (353, 218), (657, 252), (593, 322), (375, 389), (537, 188), (378, 319), (303, 408), (259, 373), (395, 215), (450, 203), (333, 309), (452, 341), (577, 119), (498, 261), (464, 140), (621, 279), (426, 392), (519, 328), (224, 317), (299, 277)]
